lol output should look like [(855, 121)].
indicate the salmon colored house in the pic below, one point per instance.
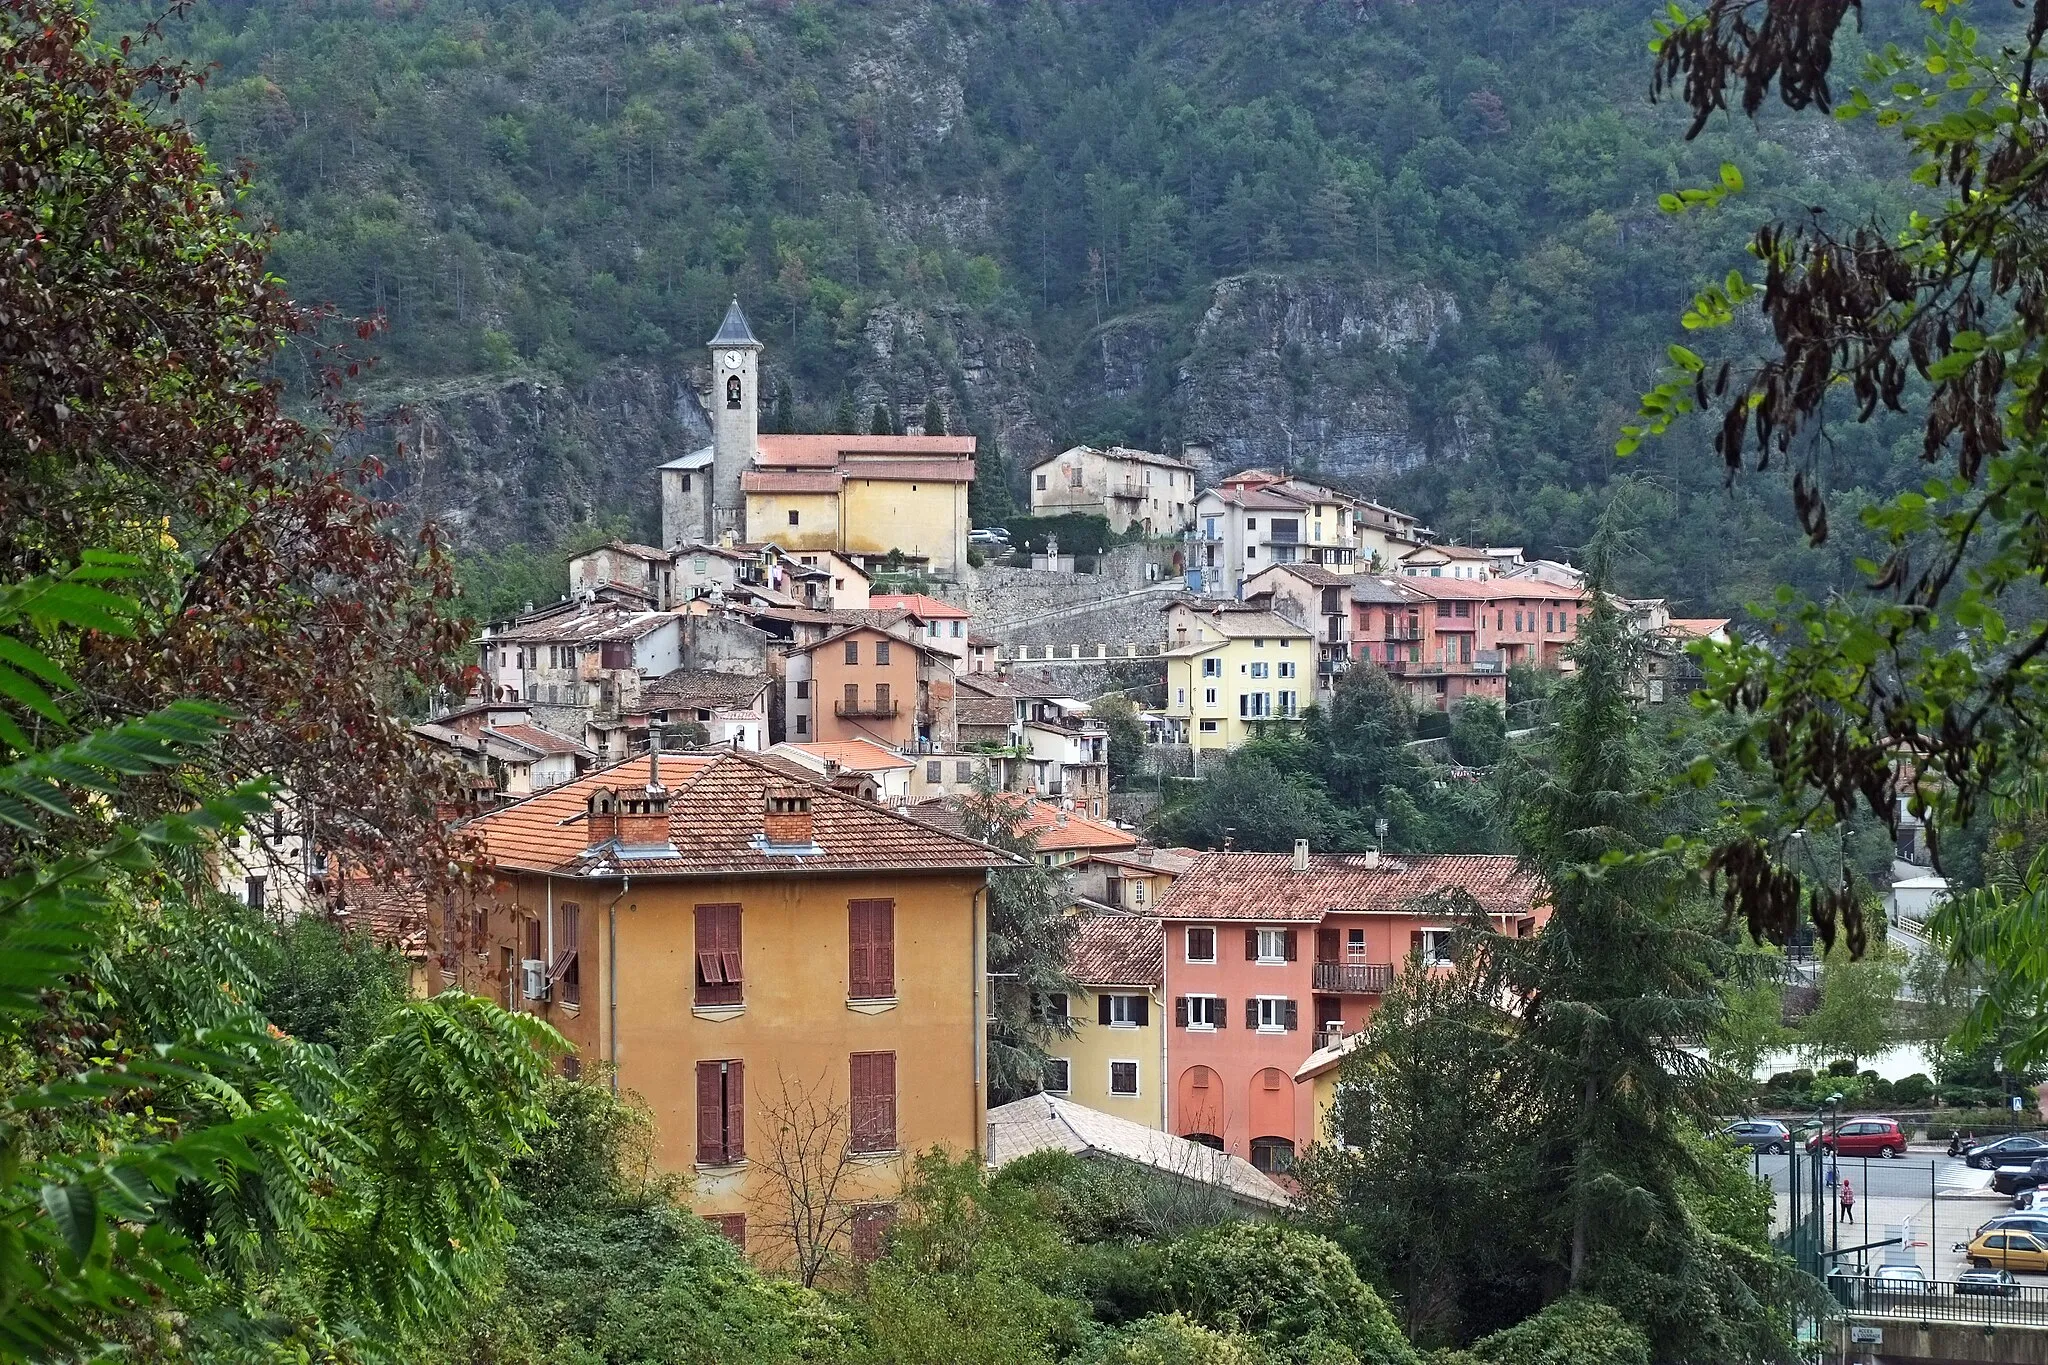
[(865, 683), (1448, 638), (1270, 957), (724, 939)]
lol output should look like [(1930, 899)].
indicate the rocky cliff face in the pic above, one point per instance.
[(1297, 368)]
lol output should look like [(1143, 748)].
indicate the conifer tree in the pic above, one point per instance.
[(846, 421), (879, 423), (934, 418), (785, 409)]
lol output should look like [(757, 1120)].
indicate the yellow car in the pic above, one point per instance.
[(2009, 1249)]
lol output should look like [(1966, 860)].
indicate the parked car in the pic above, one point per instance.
[(2014, 1179), (1997, 1282), (1862, 1137), (2034, 1223), (2030, 1200), (1763, 1135), (2021, 1149), (1900, 1282), (2008, 1249), (988, 535)]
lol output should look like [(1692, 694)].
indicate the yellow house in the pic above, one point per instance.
[(864, 496), (768, 962), (1231, 668), (1320, 1072), (1115, 1058)]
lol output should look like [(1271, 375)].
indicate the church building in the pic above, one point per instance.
[(859, 496)]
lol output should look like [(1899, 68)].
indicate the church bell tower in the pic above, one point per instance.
[(735, 419)]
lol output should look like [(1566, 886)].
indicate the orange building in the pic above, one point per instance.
[(734, 942), (1270, 957), (863, 682), (1448, 638)]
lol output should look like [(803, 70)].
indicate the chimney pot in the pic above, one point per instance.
[(1372, 857), (787, 821), (1301, 855)]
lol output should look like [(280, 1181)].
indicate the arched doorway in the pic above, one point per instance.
[(1269, 1108), (1198, 1103)]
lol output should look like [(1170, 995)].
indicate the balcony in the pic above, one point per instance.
[(1330, 668), (1403, 633), (1354, 978), (867, 710)]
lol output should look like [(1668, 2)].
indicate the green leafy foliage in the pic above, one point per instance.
[(1291, 1290)]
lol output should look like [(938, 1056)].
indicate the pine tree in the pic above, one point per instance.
[(785, 408), (879, 423), (989, 499), (846, 421), (934, 418)]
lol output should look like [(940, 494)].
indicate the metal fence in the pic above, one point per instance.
[(1867, 1296)]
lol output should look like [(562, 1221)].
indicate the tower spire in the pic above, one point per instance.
[(735, 419)]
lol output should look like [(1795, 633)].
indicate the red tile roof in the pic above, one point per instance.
[(1491, 589), (1117, 950), (927, 471), (1056, 830), (1265, 886), (825, 451), (917, 604), (534, 737), (789, 481), (716, 802)]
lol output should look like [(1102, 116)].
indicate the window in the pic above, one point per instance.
[(1287, 669), (1548, 622), (566, 975), (732, 391), (1261, 670), (957, 629), (1434, 945), (1283, 703), (1354, 944), (1074, 477), (1251, 523), (1123, 1078), (1209, 726), (1443, 609), (882, 698), (721, 1113), (870, 1229), (1123, 1011), (686, 483), (1272, 1154), (792, 516), (1047, 1009), (1039, 483), (881, 653), (1208, 699), (1251, 552), (803, 725), (1271, 1014), (871, 949), (1201, 943), (1059, 1075), (1212, 668), (853, 651), (963, 770), (254, 889), (935, 770), (718, 955), (530, 939), (1199, 1011), (731, 1226), (874, 1101), (851, 701), (1269, 945), (803, 690)]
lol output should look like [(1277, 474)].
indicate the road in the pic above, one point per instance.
[(1935, 1199), (1915, 1175)]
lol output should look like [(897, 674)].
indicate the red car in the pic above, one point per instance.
[(1862, 1137)]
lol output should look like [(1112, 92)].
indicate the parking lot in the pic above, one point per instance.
[(1932, 1200)]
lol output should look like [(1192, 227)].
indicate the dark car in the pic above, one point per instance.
[(2013, 1179), (2032, 1223), (2001, 1283), (2021, 1149), (1763, 1135)]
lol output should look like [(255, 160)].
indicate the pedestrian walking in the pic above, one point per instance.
[(1848, 1201)]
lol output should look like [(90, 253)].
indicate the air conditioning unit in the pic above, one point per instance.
[(533, 979)]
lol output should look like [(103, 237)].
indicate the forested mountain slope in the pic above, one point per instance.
[(1415, 245)]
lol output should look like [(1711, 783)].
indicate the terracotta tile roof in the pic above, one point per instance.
[(917, 604), (627, 547), (393, 916), (1265, 886), (1244, 625), (1039, 1123), (862, 755), (584, 623), (1492, 589), (836, 636), (701, 687), (716, 802), (1117, 950), (1701, 626), (789, 481), (546, 741), (1172, 862), (1320, 575), (1448, 552), (1055, 830), (1380, 592), (925, 471), (1126, 453), (825, 451), (974, 708), (1259, 500)]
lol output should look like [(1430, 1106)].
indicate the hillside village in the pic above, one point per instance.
[(725, 785)]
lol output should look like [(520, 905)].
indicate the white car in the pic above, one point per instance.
[(988, 535)]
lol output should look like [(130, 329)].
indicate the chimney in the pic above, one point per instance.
[(1301, 855), (601, 817), (787, 821), (1370, 858), (643, 815)]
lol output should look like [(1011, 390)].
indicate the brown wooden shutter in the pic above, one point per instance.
[(731, 1226), (1326, 945), (736, 1107), (1251, 1011), (1287, 941), (710, 1115), (859, 971), (1251, 945), (873, 1077), (1142, 1006), (871, 939), (885, 1100), (1293, 1016), (1415, 942), (1102, 1009), (718, 955), (1222, 1012), (1180, 1011)]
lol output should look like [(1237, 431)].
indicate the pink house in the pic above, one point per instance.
[(1268, 957)]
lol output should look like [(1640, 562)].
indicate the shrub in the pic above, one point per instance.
[(1572, 1331), (1172, 1339), (1799, 1079), (1842, 1066), (1915, 1089), (1296, 1292)]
